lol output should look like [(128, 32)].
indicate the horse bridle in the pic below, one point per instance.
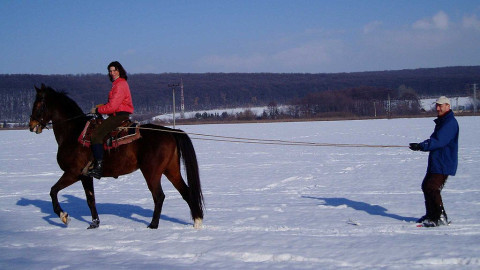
[(40, 111)]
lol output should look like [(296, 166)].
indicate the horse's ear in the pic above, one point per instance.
[(41, 90), (43, 87), (36, 88)]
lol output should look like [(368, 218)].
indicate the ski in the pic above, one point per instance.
[(426, 225)]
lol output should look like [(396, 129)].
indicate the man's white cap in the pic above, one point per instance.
[(443, 100)]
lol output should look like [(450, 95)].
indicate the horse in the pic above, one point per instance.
[(158, 152)]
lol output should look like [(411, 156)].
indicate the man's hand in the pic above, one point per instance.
[(415, 147), (93, 110)]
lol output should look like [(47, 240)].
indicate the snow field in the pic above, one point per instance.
[(267, 206)]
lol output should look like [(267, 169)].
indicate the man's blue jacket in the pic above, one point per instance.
[(443, 146)]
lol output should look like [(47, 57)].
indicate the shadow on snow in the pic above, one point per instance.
[(375, 210), (78, 208)]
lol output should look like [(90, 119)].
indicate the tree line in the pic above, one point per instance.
[(347, 103), (308, 95)]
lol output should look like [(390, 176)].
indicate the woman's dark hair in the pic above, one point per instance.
[(119, 67)]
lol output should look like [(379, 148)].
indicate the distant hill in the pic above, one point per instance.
[(151, 94)]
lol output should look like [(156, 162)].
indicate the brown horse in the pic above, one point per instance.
[(157, 152)]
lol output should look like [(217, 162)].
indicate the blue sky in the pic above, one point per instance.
[(79, 37)]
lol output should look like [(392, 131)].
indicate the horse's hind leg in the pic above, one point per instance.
[(87, 183), (178, 182), (155, 187)]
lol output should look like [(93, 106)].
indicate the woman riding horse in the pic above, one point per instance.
[(158, 152), (118, 108)]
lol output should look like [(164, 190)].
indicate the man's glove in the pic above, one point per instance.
[(415, 147)]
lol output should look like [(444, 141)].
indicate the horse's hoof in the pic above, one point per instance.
[(95, 224), (197, 224), (152, 226), (65, 218)]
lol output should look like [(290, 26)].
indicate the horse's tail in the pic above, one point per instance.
[(186, 153)]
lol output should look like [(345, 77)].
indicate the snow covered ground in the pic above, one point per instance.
[(267, 206), (191, 114)]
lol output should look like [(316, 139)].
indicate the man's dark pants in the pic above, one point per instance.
[(432, 185)]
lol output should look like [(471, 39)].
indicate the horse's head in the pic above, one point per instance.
[(40, 115)]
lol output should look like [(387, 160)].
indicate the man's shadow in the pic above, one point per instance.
[(374, 210), (78, 208)]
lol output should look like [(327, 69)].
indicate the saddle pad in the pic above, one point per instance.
[(127, 132)]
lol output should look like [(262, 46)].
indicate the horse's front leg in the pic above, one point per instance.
[(66, 180), (87, 183)]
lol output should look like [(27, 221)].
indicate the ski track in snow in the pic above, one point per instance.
[(267, 206)]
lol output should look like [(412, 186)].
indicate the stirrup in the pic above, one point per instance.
[(96, 171)]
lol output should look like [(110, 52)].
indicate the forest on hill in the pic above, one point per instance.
[(308, 94)]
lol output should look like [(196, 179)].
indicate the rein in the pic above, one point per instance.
[(44, 125), (69, 119)]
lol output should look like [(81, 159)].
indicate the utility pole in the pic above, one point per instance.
[(474, 99), (389, 107), (182, 100), (173, 85)]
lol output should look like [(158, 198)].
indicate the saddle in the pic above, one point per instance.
[(127, 132)]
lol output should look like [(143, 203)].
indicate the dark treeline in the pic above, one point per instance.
[(355, 93)]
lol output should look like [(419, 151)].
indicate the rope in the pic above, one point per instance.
[(219, 138), (267, 141)]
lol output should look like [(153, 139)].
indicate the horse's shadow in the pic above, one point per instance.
[(374, 210), (78, 208)]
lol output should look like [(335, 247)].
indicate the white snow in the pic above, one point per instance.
[(267, 206), (191, 114)]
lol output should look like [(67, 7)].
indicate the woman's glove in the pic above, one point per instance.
[(94, 109)]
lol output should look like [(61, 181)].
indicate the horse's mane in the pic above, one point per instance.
[(65, 102)]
